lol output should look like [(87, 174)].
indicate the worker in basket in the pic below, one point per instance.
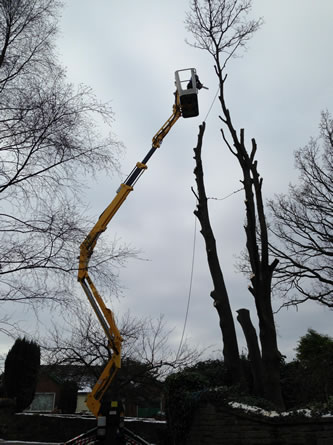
[(197, 83)]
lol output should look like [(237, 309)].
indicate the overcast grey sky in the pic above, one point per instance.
[(127, 52)]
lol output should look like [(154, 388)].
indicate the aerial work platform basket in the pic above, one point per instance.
[(188, 84)]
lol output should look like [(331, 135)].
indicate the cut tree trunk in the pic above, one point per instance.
[(219, 293), (254, 351)]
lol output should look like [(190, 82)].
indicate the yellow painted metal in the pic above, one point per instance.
[(112, 332), (104, 314), (95, 396), (108, 322), (87, 247), (141, 165), (164, 130)]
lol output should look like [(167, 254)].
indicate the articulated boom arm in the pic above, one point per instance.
[(104, 315), (164, 130), (186, 105)]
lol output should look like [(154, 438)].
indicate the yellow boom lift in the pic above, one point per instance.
[(186, 105)]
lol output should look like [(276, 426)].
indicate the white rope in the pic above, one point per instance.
[(190, 287), (192, 271), (194, 245), (211, 106), (225, 197)]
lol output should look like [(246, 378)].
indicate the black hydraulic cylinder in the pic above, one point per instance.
[(149, 155), (137, 171)]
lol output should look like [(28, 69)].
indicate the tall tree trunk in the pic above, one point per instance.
[(254, 351), (257, 248), (222, 28), (219, 293)]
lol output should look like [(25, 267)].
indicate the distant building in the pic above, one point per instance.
[(140, 398), (81, 406), (47, 394), (49, 387)]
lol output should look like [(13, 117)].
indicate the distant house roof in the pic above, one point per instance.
[(62, 373)]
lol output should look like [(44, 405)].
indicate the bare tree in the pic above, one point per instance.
[(221, 27), (302, 225), (146, 342), (50, 140)]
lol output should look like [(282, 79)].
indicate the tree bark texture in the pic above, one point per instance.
[(257, 247), (222, 28), (219, 293), (244, 320)]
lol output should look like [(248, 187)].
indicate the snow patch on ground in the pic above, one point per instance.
[(263, 412)]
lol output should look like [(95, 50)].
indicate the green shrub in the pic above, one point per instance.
[(182, 395)]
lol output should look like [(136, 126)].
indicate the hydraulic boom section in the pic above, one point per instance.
[(186, 105)]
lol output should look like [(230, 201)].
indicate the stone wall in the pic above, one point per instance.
[(223, 425)]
